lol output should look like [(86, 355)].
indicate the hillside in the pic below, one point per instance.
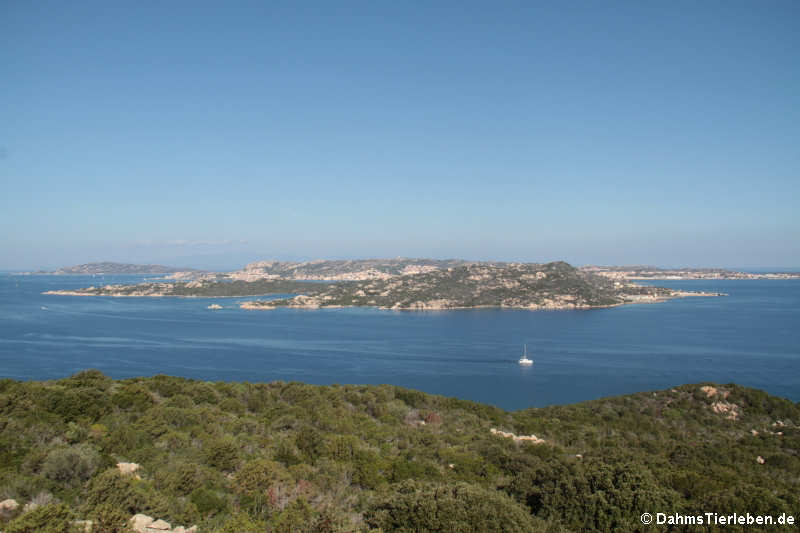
[(281, 457), (521, 286), (344, 270)]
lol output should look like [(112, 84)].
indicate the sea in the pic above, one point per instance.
[(750, 337)]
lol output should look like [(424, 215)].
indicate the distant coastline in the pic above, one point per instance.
[(109, 267)]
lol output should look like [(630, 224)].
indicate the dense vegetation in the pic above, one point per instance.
[(280, 457)]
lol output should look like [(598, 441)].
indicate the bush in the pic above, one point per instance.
[(256, 476), (119, 492), (133, 396), (72, 465), (208, 502), (90, 378), (110, 519), (75, 403), (222, 454), (52, 518), (421, 507), (182, 477), (241, 523)]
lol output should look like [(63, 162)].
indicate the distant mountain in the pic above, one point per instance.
[(108, 267)]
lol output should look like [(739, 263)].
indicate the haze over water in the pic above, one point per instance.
[(749, 337)]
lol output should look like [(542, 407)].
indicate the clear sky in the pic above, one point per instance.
[(214, 133)]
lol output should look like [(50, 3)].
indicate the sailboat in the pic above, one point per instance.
[(524, 359)]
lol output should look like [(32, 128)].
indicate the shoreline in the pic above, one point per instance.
[(117, 295), (254, 305)]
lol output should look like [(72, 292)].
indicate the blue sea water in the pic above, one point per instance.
[(751, 337)]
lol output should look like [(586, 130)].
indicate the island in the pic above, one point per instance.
[(109, 267), (657, 273), (555, 285), (169, 454)]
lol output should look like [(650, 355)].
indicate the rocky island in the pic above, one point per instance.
[(406, 284)]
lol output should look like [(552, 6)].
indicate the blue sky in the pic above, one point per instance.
[(214, 133)]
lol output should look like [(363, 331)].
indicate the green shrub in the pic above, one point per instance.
[(232, 405), (241, 523), (133, 397), (72, 465), (297, 517), (255, 477), (113, 490), (89, 379), (51, 518), (182, 477), (109, 519), (208, 502), (221, 453), (421, 508)]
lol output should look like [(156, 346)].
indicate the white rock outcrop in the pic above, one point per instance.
[(159, 526), (128, 469), (8, 507), (140, 521), (533, 439)]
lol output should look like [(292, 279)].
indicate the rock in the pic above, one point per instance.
[(533, 439), (760, 460), (127, 469), (8, 505), (8, 508), (709, 390), (86, 525), (731, 410), (192, 529), (140, 521), (179, 529), (158, 525)]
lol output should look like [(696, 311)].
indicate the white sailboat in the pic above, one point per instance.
[(524, 359)]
